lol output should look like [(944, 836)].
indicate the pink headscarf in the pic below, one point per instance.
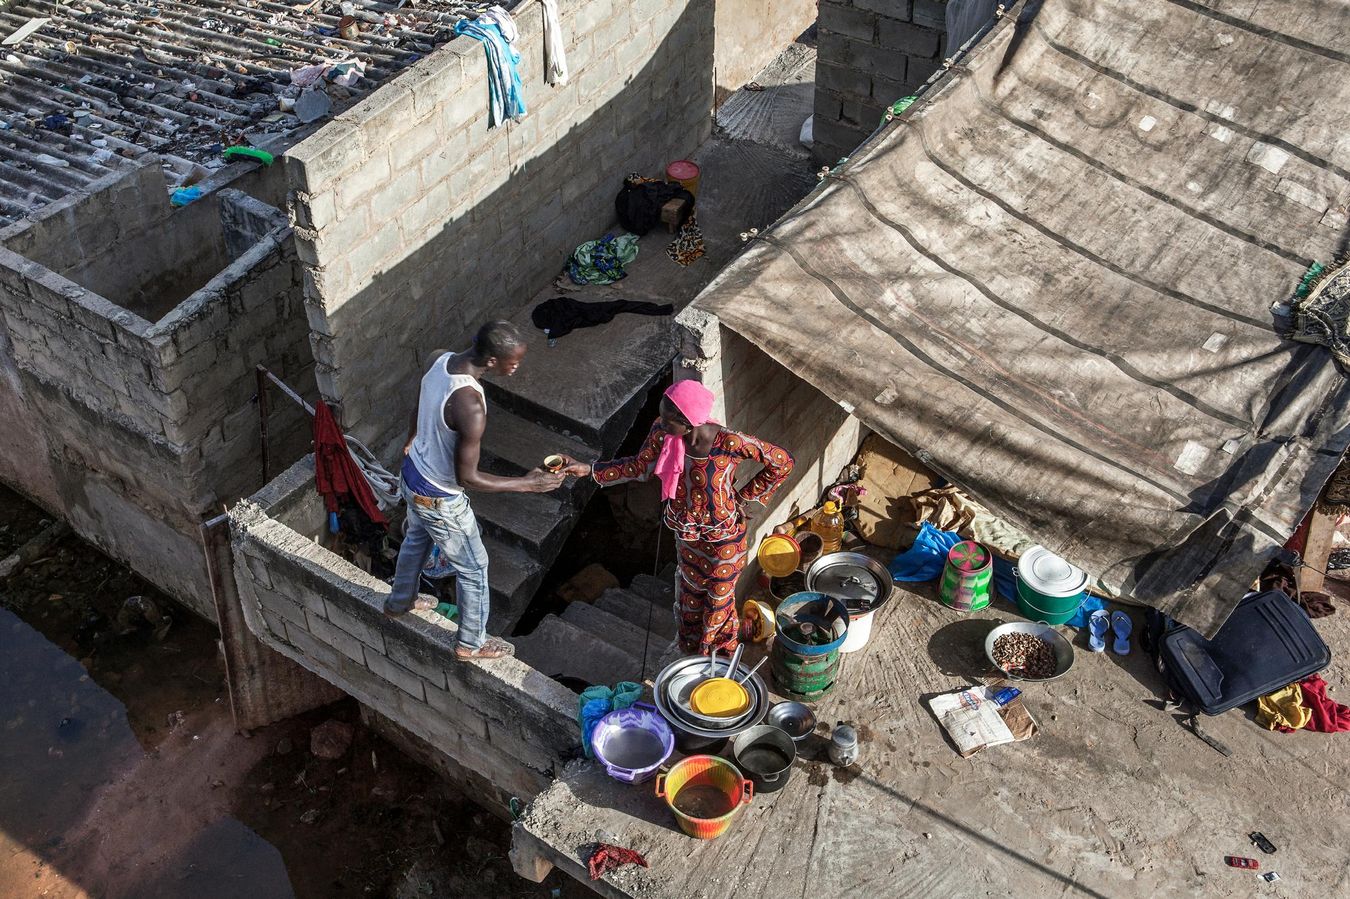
[(695, 402)]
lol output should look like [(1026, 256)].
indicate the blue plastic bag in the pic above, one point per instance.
[(924, 560), (598, 701)]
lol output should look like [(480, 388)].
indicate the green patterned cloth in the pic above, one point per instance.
[(602, 261)]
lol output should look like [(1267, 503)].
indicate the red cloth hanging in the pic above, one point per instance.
[(1328, 716), (336, 474)]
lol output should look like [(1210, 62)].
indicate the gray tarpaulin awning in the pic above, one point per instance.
[(1052, 280)]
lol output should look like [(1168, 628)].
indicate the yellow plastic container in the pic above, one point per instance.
[(720, 697)]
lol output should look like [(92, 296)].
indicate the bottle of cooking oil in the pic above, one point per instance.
[(828, 523)]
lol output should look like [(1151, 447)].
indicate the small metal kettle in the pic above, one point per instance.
[(844, 745)]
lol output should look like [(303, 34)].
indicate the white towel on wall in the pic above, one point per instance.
[(555, 56)]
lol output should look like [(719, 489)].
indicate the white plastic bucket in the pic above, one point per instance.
[(859, 630)]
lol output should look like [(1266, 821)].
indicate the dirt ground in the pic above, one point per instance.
[(121, 774)]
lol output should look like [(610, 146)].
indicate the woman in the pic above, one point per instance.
[(696, 459)]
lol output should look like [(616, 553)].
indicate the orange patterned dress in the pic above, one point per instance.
[(707, 514)]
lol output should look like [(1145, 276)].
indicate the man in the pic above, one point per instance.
[(440, 462)]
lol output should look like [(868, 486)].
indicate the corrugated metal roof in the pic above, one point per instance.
[(103, 80)]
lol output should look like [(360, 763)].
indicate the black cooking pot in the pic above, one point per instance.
[(765, 754)]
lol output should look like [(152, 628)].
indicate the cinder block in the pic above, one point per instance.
[(258, 571), (368, 257), (449, 707), (389, 200), (467, 109), (427, 215), (918, 71), (910, 38), (354, 623), (843, 79), (372, 174), (326, 155), (505, 737), (425, 660), (395, 674), (336, 638), (407, 150), (932, 13), (887, 90), (873, 59), (433, 80), (283, 607), (447, 156), (275, 624), (856, 23), (895, 9), (381, 115)]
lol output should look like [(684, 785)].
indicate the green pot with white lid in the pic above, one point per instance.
[(1049, 589)]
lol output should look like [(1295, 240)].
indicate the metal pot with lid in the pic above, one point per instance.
[(860, 581)]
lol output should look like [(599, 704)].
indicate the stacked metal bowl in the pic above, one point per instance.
[(693, 731)]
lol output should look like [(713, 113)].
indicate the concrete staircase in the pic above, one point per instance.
[(604, 642), (523, 532), (580, 397)]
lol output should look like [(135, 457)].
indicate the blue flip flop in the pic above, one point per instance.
[(1098, 622), (1122, 625)]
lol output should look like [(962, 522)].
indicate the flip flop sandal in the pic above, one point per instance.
[(421, 604), (492, 648), (1098, 622), (1122, 626), (754, 86)]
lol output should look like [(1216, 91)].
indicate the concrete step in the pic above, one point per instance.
[(559, 648), (513, 576), (536, 522), (659, 590), (520, 444), (619, 633), (595, 380), (638, 610)]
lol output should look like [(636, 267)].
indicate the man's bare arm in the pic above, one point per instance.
[(466, 415)]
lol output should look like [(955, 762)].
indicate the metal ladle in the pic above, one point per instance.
[(753, 670)]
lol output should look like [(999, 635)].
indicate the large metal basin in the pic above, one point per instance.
[(759, 700)]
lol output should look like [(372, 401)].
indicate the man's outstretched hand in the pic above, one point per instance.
[(540, 481)]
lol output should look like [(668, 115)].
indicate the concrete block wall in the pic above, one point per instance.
[(112, 240), (416, 222), (759, 396), (501, 728), (871, 53), (135, 431)]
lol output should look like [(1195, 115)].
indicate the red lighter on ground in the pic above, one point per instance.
[(1237, 861)]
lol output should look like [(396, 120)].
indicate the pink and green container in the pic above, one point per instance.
[(967, 577)]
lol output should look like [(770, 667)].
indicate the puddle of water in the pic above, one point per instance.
[(67, 742)]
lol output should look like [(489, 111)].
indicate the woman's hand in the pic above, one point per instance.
[(574, 469)]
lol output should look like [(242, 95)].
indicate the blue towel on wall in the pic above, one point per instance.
[(506, 98)]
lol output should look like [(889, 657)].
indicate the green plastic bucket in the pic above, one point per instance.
[(1049, 609), (966, 577)]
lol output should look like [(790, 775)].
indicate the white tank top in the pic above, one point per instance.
[(433, 450)]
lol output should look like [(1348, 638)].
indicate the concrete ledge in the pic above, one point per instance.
[(503, 720)]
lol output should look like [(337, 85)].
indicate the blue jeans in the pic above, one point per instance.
[(449, 523)]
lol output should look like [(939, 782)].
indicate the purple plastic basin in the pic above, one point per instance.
[(633, 742)]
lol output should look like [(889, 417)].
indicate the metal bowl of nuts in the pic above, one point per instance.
[(1023, 650)]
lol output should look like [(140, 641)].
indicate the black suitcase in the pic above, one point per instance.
[(1267, 643)]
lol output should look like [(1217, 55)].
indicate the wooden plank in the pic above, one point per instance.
[(1317, 547)]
